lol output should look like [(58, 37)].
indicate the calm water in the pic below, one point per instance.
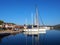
[(52, 37)]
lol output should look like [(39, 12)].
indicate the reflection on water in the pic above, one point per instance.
[(52, 37), (34, 40)]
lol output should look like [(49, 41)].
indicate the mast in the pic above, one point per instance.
[(36, 17), (32, 19)]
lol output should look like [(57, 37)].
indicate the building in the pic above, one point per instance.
[(0, 26), (47, 27), (9, 26)]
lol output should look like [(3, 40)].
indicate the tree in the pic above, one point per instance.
[(1, 22)]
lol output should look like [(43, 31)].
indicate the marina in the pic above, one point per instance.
[(29, 22)]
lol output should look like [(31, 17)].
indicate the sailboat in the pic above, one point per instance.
[(35, 29)]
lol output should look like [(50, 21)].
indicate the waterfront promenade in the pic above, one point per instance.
[(10, 31)]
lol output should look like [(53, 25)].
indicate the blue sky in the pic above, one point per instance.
[(17, 11)]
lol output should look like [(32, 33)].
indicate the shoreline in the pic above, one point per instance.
[(10, 31), (4, 33)]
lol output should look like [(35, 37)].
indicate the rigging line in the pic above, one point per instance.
[(37, 16), (41, 20)]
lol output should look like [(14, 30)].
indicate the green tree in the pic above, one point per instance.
[(1, 22)]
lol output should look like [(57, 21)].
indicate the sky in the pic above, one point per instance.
[(17, 11)]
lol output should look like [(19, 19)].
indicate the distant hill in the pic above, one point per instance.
[(57, 27), (2, 22)]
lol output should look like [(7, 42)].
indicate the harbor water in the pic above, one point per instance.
[(51, 37)]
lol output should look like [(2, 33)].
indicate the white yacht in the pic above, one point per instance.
[(35, 29)]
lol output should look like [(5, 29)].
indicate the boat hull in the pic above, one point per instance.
[(34, 31)]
